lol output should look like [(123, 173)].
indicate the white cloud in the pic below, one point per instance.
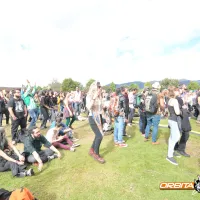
[(79, 39)]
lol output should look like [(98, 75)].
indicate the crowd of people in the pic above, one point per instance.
[(27, 106)]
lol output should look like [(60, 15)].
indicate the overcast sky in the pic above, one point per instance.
[(107, 40)]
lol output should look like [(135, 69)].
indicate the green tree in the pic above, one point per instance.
[(69, 85), (193, 85), (112, 87), (55, 85), (107, 89), (39, 88), (148, 85), (88, 84), (165, 83), (133, 86)]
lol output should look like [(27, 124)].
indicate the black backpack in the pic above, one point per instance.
[(4, 194), (151, 105)]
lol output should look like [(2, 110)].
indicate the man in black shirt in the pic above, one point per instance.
[(32, 148), (18, 112)]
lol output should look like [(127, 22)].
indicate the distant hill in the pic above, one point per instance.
[(141, 84)]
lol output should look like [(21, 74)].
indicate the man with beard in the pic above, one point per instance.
[(18, 112), (32, 148)]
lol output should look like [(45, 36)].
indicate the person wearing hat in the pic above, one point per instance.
[(153, 118)]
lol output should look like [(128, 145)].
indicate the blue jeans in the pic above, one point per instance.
[(152, 120), (34, 115), (119, 129), (77, 107)]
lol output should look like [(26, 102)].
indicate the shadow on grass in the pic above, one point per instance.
[(165, 134), (109, 148)]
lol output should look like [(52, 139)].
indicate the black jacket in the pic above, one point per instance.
[(2, 105), (185, 123)]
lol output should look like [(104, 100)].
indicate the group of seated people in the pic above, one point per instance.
[(58, 136)]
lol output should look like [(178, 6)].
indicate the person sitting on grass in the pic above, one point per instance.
[(53, 137), (32, 148), (11, 159), (65, 129)]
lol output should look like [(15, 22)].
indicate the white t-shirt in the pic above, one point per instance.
[(51, 135)]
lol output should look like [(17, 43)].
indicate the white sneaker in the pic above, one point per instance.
[(75, 139), (75, 145), (72, 149)]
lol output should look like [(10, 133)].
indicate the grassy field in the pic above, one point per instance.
[(130, 173)]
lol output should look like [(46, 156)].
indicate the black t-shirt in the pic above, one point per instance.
[(17, 106), (54, 100)]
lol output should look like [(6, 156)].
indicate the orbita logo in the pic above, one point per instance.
[(177, 186)]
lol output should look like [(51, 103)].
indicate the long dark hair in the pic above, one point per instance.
[(3, 139)]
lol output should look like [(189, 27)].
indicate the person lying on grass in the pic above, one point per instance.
[(57, 141), (11, 159), (32, 148)]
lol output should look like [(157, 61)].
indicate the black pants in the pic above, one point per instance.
[(43, 156), (15, 125), (98, 136), (1, 118), (17, 170), (181, 145), (142, 122), (6, 113), (44, 112)]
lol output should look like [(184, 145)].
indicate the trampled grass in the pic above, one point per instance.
[(130, 173)]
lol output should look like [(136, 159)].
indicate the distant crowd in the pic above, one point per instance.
[(57, 112)]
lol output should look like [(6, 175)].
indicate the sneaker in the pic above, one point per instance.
[(75, 145), (155, 143), (122, 145), (146, 139), (143, 134), (176, 155), (116, 144), (72, 149), (30, 172), (172, 160), (50, 158), (75, 139), (126, 135), (183, 153), (55, 156)]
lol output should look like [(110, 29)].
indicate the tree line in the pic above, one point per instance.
[(69, 84)]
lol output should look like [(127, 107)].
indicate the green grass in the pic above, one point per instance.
[(129, 173)]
